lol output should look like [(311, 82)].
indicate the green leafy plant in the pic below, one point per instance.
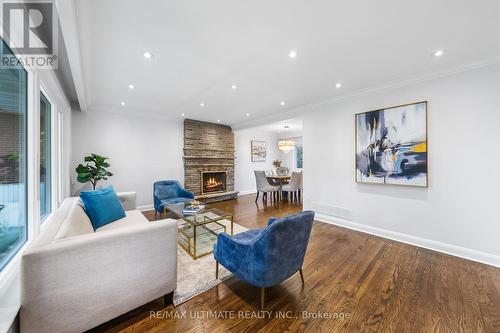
[(12, 157), (94, 170)]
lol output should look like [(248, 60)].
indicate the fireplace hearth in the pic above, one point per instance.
[(213, 182)]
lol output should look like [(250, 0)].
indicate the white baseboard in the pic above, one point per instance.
[(246, 192), (457, 251), (145, 207)]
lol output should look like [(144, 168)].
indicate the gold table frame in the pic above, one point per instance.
[(221, 215)]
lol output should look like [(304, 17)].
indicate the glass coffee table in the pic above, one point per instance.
[(197, 233)]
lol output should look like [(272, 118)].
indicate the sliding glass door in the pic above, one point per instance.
[(45, 158), (13, 154)]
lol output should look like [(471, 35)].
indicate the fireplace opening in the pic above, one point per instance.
[(213, 182)]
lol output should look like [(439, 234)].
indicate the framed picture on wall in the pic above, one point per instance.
[(259, 151), (391, 145)]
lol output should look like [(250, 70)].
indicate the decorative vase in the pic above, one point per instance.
[(282, 171)]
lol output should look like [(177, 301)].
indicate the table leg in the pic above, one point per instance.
[(232, 225), (194, 236)]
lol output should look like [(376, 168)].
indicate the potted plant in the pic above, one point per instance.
[(94, 170)]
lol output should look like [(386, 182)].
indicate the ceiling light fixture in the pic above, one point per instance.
[(282, 103), (438, 53), (284, 144), (182, 114), (247, 114), (131, 86), (292, 54), (148, 55), (122, 103), (338, 85), (218, 120), (233, 87), (202, 104)]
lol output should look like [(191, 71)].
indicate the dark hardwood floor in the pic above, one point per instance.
[(377, 285)]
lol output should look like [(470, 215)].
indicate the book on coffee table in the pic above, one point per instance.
[(192, 210)]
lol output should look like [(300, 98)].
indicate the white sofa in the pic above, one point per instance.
[(74, 279)]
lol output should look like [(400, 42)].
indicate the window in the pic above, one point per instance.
[(13, 165), (298, 157), (45, 158)]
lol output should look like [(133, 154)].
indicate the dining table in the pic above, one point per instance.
[(279, 181)]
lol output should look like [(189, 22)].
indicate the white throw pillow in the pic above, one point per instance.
[(76, 223)]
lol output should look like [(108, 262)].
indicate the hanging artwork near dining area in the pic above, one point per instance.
[(259, 151), (391, 146)]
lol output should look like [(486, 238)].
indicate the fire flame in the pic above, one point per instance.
[(211, 182)]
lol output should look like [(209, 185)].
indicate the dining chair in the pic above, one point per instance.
[(264, 186), (301, 187), (294, 186)]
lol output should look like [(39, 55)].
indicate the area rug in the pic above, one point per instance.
[(196, 276)]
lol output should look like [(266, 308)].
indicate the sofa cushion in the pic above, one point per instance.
[(102, 206), (132, 217), (76, 222)]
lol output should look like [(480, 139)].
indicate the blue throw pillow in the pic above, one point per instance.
[(102, 206)]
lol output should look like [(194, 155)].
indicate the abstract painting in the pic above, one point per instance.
[(259, 151), (391, 145)]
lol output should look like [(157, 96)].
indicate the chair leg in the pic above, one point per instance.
[(301, 275), (264, 197), (300, 192), (216, 270), (257, 197), (262, 297)]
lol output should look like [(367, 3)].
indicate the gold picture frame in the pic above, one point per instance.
[(404, 163)]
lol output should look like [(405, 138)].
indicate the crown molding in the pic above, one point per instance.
[(311, 107)]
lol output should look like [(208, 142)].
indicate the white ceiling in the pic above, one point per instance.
[(201, 48), (294, 127)]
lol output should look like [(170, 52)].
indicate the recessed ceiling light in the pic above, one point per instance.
[(122, 103), (438, 53), (148, 55), (218, 120), (247, 114), (202, 104), (282, 103), (338, 85), (131, 86), (233, 87), (182, 114), (292, 54)]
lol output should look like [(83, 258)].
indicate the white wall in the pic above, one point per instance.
[(244, 167), (141, 150), (459, 212)]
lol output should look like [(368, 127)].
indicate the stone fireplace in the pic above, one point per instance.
[(209, 161), (213, 182)]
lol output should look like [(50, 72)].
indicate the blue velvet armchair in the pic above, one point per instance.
[(266, 257), (166, 192)]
